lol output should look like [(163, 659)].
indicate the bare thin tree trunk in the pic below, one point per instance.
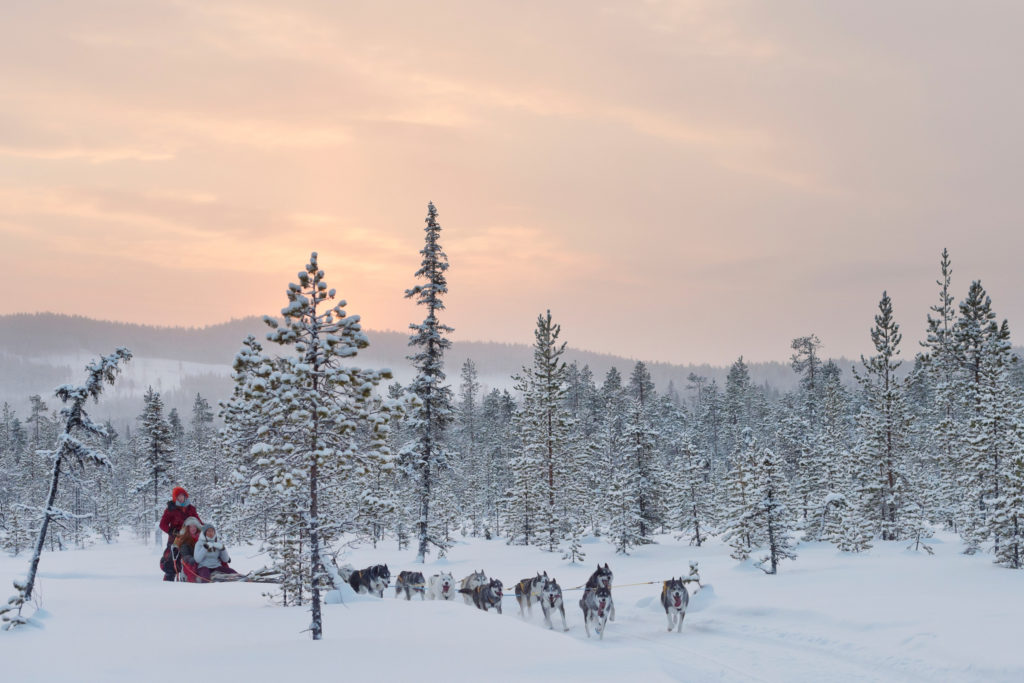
[(34, 565)]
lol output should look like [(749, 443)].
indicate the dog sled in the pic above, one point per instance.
[(187, 572)]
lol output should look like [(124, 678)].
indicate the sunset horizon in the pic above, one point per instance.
[(723, 175)]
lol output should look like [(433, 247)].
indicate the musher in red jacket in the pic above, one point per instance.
[(178, 510)]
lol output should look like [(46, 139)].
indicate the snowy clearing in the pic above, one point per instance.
[(886, 615)]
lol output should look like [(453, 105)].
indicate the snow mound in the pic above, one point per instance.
[(346, 595), (702, 599)]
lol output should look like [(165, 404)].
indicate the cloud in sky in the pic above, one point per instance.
[(676, 180)]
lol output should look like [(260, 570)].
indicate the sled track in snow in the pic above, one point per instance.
[(805, 647), (667, 654)]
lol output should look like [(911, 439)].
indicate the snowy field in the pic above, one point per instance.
[(887, 615)]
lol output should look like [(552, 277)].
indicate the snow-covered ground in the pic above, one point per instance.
[(888, 615)]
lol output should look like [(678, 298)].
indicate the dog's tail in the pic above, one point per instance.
[(467, 591)]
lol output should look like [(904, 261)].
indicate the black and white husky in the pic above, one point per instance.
[(603, 578), (675, 598), (595, 604), (478, 578), (528, 591), (550, 600), (410, 582), (486, 596), (442, 587), (374, 579)]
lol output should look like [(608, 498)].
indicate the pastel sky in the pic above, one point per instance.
[(684, 181)]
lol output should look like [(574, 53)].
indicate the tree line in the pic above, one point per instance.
[(311, 451)]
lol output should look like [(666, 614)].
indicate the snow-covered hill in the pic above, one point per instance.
[(40, 351), (888, 615)]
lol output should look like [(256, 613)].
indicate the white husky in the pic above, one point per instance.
[(441, 587)]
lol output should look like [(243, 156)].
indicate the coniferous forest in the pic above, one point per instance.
[(312, 450)]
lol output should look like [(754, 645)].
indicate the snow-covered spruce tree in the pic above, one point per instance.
[(830, 466), (244, 514), (156, 446), (993, 436), (740, 507), (177, 431), (623, 511), (883, 428), (642, 439), (40, 431), (803, 425), (942, 364), (522, 498), (973, 336), (471, 470), (914, 523), (544, 428), (199, 444), (736, 407), (691, 493), (1008, 519), (770, 511), (431, 417), (647, 477), (312, 406), (10, 481), (497, 412), (797, 446), (377, 499), (401, 520), (806, 362), (572, 503), (705, 434), (72, 448), (606, 448)]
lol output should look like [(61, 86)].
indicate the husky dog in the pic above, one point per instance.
[(475, 579), (442, 587), (675, 598), (595, 604), (603, 577), (528, 591), (410, 582), (371, 580), (486, 596), (550, 600)]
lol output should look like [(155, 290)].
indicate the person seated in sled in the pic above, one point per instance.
[(210, 554), (185, 543), (178, 510)]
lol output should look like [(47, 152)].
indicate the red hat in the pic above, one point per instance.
[(176, 491)]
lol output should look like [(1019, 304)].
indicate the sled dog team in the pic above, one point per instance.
[(194, 553), (486, 593)]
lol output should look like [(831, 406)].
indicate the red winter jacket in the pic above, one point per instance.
[(175, 516)]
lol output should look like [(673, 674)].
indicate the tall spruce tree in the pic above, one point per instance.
[(545, 427), (433, 413), (942, 364), (883, 424)]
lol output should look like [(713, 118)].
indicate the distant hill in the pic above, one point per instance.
[(39, 351)]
